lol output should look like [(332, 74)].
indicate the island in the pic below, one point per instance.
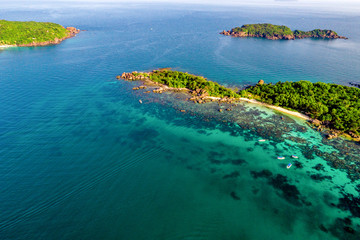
[(276, 32), (324, 105), (333, 106), (26, 34)]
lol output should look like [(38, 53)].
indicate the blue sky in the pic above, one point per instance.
[(239, 2), (314, 5)]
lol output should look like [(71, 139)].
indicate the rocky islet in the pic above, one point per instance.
[(277, 32)]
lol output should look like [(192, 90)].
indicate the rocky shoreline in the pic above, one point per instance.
[(328, 34), (244, 34), (72, 32), (201, 96)]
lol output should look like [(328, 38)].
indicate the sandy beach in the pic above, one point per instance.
[(280, 109), (164, 87), (6, 46)]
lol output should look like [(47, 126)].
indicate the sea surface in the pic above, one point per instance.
[(81, 158)]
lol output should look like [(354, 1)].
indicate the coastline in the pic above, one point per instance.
[(276, 37), (280, 109), (72, 32), (277, 32), (7, 46), (200, 95), (162, 87)]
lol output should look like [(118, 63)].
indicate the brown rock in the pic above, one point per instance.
[(289, 37), (203, 93), (333, 134), (226, 33), (316, 122), (72, 30), (353, 135), (159, 90)]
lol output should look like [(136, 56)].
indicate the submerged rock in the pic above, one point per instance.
[(232, 175), (264, 173), (323, 228), (319, 177), (342, 230), (287, 191), (319, 167), (350, 203), (234, 196), (298, 164), (238, 162)]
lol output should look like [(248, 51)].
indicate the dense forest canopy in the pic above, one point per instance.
[(336, 105), (315, 32), (185, 80), (274, 32), (263, 29), (15, 32)]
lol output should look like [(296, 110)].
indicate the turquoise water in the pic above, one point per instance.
[(82, 159)]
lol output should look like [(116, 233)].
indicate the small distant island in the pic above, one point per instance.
[(28, 34), (328, 106), (277, 32)]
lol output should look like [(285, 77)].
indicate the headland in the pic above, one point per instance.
[(30, 34)]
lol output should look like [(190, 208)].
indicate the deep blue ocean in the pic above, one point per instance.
[(80, 158)]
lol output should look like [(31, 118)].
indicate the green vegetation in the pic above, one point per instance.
[(336, 105), (274, 32), (264, 29), (185, 80), (315, 32), (17, 33)]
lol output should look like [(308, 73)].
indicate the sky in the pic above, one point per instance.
[(321, 5), (237, 2)]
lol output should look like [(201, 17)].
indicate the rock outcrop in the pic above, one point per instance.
[(332, 135), (134, 76), (72, 31)]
